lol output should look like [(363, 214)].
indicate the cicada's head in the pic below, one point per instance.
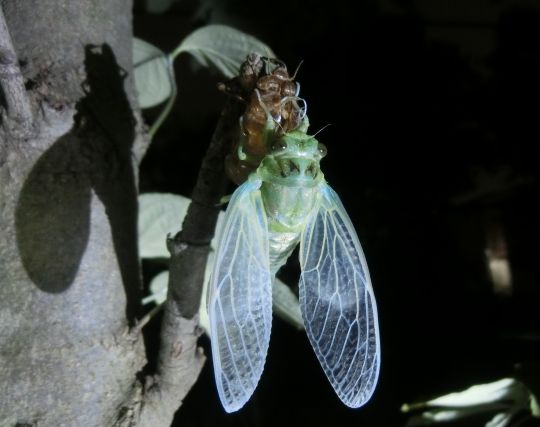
[(294, 160)]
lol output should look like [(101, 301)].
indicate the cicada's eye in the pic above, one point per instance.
[(322, 149), (279, 146)]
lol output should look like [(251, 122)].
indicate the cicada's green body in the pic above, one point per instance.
[(290, 178), (287, 201)]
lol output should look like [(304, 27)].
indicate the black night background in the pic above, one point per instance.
[(433, 148)]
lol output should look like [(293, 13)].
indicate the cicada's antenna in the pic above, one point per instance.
[(321, 129), (297, 92), (297, 68)]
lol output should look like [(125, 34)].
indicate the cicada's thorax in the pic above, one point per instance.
[(291, 178)]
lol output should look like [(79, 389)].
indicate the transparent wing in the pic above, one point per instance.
[(337, 302), (240, 298)]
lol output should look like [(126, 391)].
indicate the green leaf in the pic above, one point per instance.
[(502, 398), (535, 408), (163, 213), (286, 305), (158, 289), (159, 214), (222, 47), (502, 419), (160, 283), (506, 389), (151, 73), (204, 321)]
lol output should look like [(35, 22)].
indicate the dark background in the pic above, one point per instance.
[(434, 150)]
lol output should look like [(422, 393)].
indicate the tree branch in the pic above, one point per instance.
[(189, 248), (11, 80), (180, 361)]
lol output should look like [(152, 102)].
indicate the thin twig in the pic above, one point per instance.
[(146, 318), (189, 248), (18, 107), (180, 361)]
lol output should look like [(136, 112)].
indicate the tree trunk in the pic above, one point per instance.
[(69, 272)]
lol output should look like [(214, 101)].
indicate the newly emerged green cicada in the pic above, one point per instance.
[(287, 201)]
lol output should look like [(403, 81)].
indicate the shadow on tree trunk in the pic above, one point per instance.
[(53, 217)]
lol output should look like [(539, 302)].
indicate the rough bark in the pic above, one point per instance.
[(71, 139), (17, 105), (69, 274)]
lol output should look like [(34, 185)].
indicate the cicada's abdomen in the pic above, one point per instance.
[(272, 109)]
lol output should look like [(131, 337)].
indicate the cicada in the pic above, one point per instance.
[(285, 202)]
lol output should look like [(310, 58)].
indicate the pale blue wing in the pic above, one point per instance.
[(337, 302), (240, 298)]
